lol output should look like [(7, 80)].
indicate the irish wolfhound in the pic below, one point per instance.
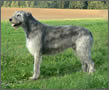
[(42, 39)]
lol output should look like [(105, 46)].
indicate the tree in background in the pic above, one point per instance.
[(85, 5), (61, 3), (66, 4), (13, 4), (27, 3), (22, 4), (58, 4), (6, 4), (42, 4), (76, 5), (16, 4), (105, 4), (32, 4), (97, 5)]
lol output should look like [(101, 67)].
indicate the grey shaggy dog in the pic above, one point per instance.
[(42, 39)]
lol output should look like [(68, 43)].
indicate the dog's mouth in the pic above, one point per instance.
[(16, 25)]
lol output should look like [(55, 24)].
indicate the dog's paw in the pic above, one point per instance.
[(92, 71), (32, 78)]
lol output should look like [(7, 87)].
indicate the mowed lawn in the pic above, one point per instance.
[(61, 71)]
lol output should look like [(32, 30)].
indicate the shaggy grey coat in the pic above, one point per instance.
[(42, 39)]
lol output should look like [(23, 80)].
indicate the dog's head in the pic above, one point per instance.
[(19, 18)]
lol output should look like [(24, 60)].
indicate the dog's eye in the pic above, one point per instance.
[(18, 15)]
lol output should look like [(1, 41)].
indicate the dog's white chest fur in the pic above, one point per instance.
[(33, 45)]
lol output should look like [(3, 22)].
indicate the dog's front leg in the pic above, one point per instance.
[(37, 61)]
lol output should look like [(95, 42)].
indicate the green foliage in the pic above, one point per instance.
[(16, 4), (61, 71), (58, 4), (22, 4), (42, 4), (105, 5), (12, 4), (61, 3), (32, 4), (97, 5), (6, 4), (76, 5), (27, 3)]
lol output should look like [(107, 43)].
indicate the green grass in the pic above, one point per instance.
[(62, 71)]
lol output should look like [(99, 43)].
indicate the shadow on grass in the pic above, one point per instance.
[(60, 70), (24, 67)]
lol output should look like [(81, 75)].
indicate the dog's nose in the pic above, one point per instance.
[(10, 19)]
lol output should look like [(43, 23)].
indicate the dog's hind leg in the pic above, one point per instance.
[(37, 61), (83, 51)]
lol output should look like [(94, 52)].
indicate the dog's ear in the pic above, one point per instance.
[(29, 14)]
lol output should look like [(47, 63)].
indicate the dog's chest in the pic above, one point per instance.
[(33, 45)]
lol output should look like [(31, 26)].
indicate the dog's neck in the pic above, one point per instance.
[(30, 26)]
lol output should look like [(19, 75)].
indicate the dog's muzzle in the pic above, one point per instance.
[(14, 24)]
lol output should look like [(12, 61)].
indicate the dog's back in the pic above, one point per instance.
[(58, 38)]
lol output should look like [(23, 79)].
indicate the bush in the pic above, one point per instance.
[(97, 5), (76, 5)]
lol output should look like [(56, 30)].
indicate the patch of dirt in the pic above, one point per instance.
[(45, 13)]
